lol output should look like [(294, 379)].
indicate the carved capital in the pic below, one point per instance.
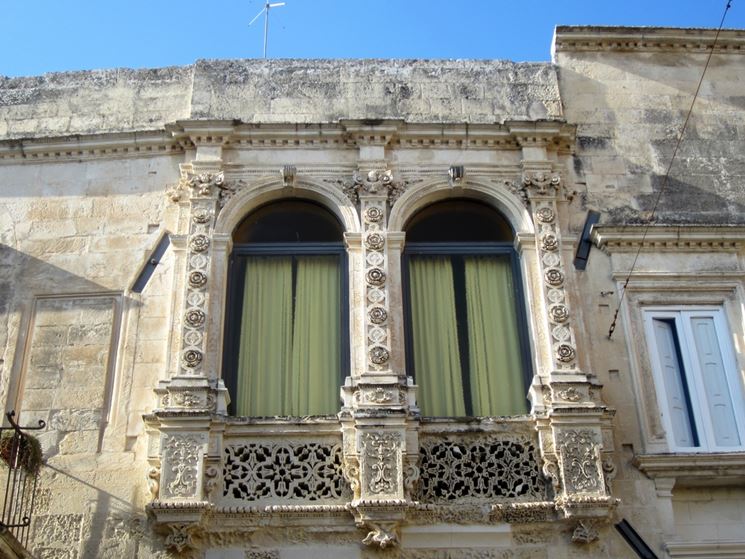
[(198, 185), (541, 184), (373, 183)]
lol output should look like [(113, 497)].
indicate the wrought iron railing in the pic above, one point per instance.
[(20, 454)]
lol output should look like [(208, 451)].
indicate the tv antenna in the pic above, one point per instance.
[(265, 11)]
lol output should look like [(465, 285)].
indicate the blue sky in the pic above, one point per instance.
[(41, 36)]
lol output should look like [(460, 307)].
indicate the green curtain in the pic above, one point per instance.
[(314, 377), (266, 336), (494, 346), (288, 362), (435, 336)]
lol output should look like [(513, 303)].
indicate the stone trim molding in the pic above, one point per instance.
[(83, 148), (705, 469), (669, 238), (646, 39), (706, 550)]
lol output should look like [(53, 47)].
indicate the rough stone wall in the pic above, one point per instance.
[(629, 106), (302, 91), (414, 90), (91, 102)]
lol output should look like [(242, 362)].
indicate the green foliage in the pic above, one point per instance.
[(23, 451)]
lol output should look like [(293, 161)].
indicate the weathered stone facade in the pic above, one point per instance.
[(97, 169)]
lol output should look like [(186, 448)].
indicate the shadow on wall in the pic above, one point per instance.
[(628, 121), (63, 338)]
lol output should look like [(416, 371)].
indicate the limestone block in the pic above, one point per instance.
[(77, 442)]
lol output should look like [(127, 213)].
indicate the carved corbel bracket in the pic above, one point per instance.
[(181, 524), (382, 519)]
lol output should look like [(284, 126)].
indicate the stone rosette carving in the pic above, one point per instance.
[(549, 242), (565, 353), (373, 214), (201, 216), (197, 279), (199, 243), (554, 277), (545, 215), (379, 355), (376, 277), (558, 313), (192, 358), (375, 241), (377, 315), (195, 317)]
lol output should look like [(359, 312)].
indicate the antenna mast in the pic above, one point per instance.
[(265, 11)]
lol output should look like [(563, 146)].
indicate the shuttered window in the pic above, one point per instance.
[(701, 394)]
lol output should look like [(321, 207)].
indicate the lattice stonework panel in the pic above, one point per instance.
[(480, 469), (258, 471)]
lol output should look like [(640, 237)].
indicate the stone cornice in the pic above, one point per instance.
[(646, 39), (669, 238), (85, 147), (694, 469), (184, 134)]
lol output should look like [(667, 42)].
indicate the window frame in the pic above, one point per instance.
[(471, 248), (699, 416), (234, 302)]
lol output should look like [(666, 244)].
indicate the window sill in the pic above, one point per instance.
[(699, 469), (706, 550)]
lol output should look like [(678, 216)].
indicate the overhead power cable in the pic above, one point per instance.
[(666, 177)]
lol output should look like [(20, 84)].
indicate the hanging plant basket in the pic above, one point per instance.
[(22, 451)]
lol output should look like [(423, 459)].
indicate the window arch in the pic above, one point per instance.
[(285, 347), (466, 330)]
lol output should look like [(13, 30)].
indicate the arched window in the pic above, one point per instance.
[(466, 333), (285, 350)]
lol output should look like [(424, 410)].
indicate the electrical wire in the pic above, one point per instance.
[(665, 179)]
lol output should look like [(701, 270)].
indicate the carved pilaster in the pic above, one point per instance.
[(542, 189), (377, 398), (576, 445)]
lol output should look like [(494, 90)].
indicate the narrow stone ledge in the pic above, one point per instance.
[(709, 469)]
